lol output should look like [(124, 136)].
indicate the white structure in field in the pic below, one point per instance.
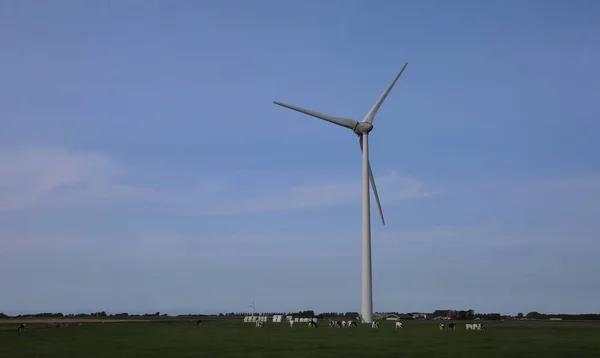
[(277, 318), (304, 320), (252, 319), (362, 129)]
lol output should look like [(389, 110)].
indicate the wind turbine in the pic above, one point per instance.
[(362, 129), (252, 305)]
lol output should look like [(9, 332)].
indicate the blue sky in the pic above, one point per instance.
[(143, 166)]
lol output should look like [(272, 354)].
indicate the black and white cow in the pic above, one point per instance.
[(452, 326), (474, 326), (312, 324), (333, 324), (21, 328)]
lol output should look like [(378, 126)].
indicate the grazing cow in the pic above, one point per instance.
[(312, 324), (452, 326), (375, 324), (344, 324), (441, 326), (399, 325), (351, 324), (331, 323), (338, 324), (199, 322), (21, 328), (474, 326), (259, 324)]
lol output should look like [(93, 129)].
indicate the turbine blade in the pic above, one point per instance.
[(371, 115), (344, 122), (373, 186), (376, 194)]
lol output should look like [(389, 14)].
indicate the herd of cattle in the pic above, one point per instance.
[(23, 327), (347, 324), (313, 324)]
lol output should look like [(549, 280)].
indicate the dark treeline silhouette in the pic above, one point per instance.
[(338, 314), (467, 315), (456, 315), (81, 315), (299, 314), (565, 316)]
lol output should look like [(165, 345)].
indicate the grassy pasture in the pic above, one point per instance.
[(233, 338)]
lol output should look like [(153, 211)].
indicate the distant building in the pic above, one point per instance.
[(392, 316), (420, 316), (442, 314)]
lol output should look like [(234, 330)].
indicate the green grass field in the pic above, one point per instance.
[(233, 338)]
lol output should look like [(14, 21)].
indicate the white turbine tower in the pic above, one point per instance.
[(252, 305), (362, 129)]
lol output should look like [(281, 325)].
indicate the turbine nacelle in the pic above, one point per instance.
[(363, 128)]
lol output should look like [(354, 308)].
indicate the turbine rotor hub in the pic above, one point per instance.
[(363, 128)]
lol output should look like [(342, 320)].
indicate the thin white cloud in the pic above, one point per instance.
[(27, 245), (494, 235), (391, 187), (544, 212), (52, 176), (172, 244), (571, 196), (169, 245), (583, 184), (36, 175), (28, 173)]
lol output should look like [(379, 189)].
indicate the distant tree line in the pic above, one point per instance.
[(81, 315), (299, 314), (565, 316), (489, 316), (465, 315), (338, 314), (457, 315)]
